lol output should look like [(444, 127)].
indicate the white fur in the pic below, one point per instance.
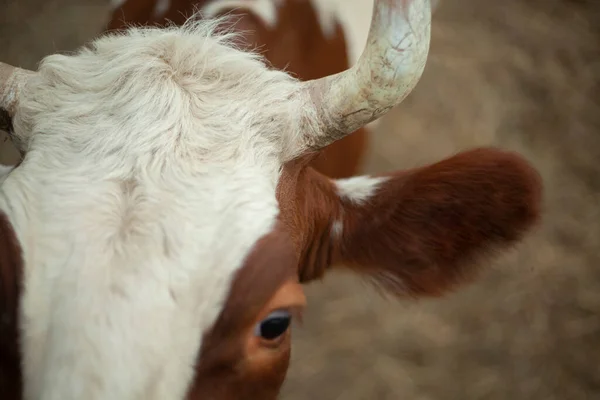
[(4, 171), (359, 189), (151, 169)]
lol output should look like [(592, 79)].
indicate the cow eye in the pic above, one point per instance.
[(275, 325)]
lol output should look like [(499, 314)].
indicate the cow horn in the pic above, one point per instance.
[(387, 71), (12, 80)]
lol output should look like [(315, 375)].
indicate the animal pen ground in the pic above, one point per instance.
[(522, 75)]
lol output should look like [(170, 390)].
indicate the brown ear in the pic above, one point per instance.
[(11, 265), (422, 231)]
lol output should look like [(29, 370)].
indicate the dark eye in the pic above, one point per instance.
[(275, 325)]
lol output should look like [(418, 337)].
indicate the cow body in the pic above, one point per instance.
[(155, 236)]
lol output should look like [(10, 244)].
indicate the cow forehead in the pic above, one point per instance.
[(185, 90), (198, 232)]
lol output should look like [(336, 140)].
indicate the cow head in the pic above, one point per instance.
[(166, 214)]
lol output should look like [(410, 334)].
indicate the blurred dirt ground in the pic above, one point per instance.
[(523, 75)]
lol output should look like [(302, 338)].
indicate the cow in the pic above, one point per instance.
[(157, 233)]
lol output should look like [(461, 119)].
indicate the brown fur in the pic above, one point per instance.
[(423, 229), (224, 371)]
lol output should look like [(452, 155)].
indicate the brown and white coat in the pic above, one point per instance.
[(155, 237)]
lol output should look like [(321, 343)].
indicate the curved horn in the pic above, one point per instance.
[(12, 80), (387, 71)]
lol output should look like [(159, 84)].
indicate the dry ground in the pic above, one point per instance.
[(522, 75)]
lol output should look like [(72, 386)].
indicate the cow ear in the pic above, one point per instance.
[(423, 231)]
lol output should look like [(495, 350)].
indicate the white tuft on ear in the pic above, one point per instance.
[(358, 189)]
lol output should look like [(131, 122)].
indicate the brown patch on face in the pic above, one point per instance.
[(232, 365), (296, 44), (424, 230), (11, 267)]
